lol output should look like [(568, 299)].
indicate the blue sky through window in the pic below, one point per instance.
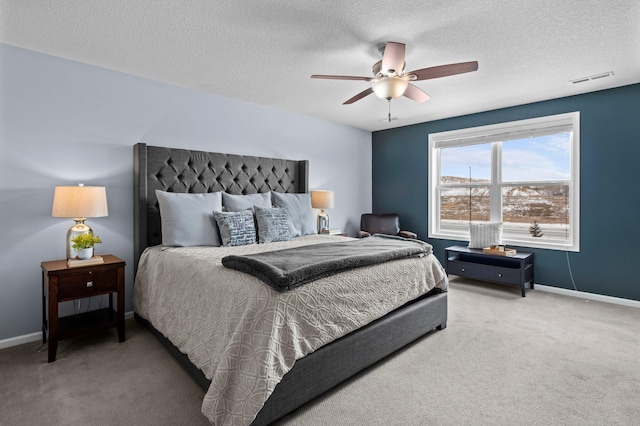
[(455, 161)]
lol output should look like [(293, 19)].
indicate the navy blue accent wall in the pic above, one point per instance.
[(609, 254)]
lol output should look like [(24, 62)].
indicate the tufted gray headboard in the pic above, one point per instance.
[(182, 170)]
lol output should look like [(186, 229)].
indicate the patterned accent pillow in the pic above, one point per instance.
[(236, 228), (273, 224), (483, 235)]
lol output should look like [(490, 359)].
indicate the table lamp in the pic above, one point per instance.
[(321, 199), (79, 203)]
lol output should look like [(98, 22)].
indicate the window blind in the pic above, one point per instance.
[(488, 134)]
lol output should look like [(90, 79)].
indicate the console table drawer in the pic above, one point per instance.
[(465, 269), (502, 275)]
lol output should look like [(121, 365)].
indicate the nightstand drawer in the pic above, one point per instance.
[(87, 284)]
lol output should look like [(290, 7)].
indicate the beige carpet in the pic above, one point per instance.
[(545, 359)]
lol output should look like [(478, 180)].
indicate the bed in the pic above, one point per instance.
[(320, 359)]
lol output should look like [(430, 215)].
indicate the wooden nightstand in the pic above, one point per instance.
[(61, 283)]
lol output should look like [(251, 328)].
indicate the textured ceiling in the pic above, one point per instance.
[(265, 51)]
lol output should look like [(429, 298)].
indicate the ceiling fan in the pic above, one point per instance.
[(390, 81)]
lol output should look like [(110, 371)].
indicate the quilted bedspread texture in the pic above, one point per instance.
[(244, 335)]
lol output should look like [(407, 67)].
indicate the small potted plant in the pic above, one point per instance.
[(84, 243)]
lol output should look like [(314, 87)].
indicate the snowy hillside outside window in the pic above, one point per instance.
[(523, 173)]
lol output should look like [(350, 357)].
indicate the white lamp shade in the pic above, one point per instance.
[(322, 199), (79, 202)]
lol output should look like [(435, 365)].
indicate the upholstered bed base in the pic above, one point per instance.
[(330, 365), (179, 170)]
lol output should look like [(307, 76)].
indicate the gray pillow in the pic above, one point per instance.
[(482, 235), (302, 221), (237, 203), (273, 224), (186, 219), (236, 228)]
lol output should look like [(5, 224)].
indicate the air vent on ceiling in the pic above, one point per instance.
[(593, 77)]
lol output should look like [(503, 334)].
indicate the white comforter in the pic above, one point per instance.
[(243, 334)]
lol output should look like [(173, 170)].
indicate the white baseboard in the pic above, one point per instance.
[(20, 340), (588, 296), (33, 337)]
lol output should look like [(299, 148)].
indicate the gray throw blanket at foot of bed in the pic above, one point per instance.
[(290, 268)]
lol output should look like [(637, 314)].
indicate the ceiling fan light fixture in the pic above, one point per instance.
[(390, 81), (390, 87)]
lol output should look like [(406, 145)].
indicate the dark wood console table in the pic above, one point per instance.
[(474, 263)]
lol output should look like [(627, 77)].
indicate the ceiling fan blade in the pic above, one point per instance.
[(416, 94), (393, 57), (342, 77), (359, 96), (445, 70)]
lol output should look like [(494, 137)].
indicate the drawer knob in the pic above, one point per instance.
[(500, 275), (462, 269), (89, 283)]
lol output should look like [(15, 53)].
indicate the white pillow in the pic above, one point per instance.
[(298, 206), (482, 235), (186, 219), (237, 203)]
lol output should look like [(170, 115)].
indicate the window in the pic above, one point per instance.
[(523, 173)]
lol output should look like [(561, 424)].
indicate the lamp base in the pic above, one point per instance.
[(323, 221), (78, 229)]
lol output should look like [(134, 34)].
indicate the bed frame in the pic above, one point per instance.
[(180, 170)]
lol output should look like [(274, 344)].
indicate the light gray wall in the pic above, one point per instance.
[(63, 122)]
